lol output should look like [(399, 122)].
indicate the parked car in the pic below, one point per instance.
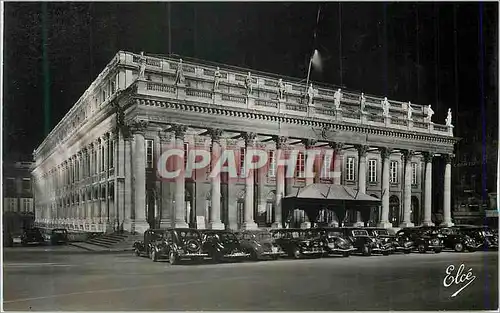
[(8, 241), (58, 236), (222, 245), (392, 242), (364, 243), (176, 244), (298, 243), (334, 241), (260, 244), (482, 234), (424, 238), (454, 239), (32, 235)]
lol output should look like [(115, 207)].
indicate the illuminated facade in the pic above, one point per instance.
[(96, 170)]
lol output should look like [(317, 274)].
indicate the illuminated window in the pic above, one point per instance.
[(272, 164), (394, 172), (372, 171), (299, 169), (414, 173), (149, 153), (111, 154), (327, 166), (186, 148), (242, 161), (350, 169)]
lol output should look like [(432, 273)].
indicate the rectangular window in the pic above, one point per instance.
[(272, 164), (111, 154), (26, 184), (372, 171), (242, 161), (186, 148), (149, 153), (350, 169), (10, 185), (299, 169), (102, 159), (394, 172), (327, 166), (414, 173)]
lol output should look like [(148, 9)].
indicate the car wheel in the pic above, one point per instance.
[(296, 253), (137, 252), (385, 253), (275, 257), (367, 251), (154, 256), (253, 256), (438, 250), (421, 248), (407, 251), (459, 247), (472, 249), (346, 254), (172, 258)]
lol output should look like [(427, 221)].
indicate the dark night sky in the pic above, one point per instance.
[(402, 50)]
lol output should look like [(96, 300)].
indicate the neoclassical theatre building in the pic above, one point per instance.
[(96, 170)]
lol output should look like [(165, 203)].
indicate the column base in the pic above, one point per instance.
[(446, 224), (166, 223), (216, 225), (427, 223), (249, 226), (385, 224), (406, 224), (358, 224), (305, 225), (141, 227), (181, 224), (276, 225)]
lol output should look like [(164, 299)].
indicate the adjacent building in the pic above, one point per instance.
[(17, 191), (96, 170)]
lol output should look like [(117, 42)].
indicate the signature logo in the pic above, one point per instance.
[(458, 279)]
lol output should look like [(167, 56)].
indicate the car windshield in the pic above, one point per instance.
[(263, 236), (382, 232), (226, 236), (59, 231), (360, 233), (185, 235), (156, 235), (334, 234)]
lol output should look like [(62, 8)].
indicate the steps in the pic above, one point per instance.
[(110, 242)]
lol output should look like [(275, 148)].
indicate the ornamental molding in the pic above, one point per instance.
[(289, 119)]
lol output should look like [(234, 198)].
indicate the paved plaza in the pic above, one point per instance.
[(57, 278)]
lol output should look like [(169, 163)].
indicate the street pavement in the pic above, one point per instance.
[(57, 278)]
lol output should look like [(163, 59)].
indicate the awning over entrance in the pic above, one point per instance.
[(314, 197)]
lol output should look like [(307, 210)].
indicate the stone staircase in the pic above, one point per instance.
[(113, 242)]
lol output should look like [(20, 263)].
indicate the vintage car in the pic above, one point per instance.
[(454, 239), (481, 234), (364, 243), (298, 242), (392, 242), (334, 241), (424, 238), (32, 235), (222, 245), (58, 236), (260, 244), (176, 244)]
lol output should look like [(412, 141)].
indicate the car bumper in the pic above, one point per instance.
[(236, 255), (435, 247), (313, 251), (272, 253), (342, 250), (193, 255)]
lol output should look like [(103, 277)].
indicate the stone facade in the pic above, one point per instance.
[(96, 171)]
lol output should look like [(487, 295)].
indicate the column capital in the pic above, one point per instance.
[(179, 130), (139, 127), (249, 138), (385, 152), (337, 146), (362, 150), (215, 134), (280, 141), (164, 137), (106, 136), (406, 155), (308, 143), (448, 157), (428, 156)]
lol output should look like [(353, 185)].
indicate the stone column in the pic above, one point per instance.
[(280, 182), (447, 192), (386, 163), (249, 222), (215, 192), (105, 213), (99, 206), (362, 151), (337, 169), (140, 223), (157, 183), (406, 159), (180, 182), (428, 189), (166, 208)]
